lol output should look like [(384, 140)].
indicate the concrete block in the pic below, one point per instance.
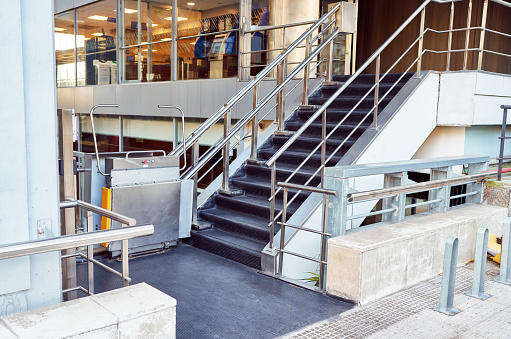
[(5, 333), (81, 318), (366, 265), (142, 311)]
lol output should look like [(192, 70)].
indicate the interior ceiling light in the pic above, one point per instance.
[(166, 39), (145, 50), (128, 11), (178, 18), (190, 3), (154, 25), (59, 29), (97, 34), (98, 17), (192, 43)]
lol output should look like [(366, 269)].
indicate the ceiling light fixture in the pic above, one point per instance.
[(178, 18), (145, 50), (98, 17), (154, 25), (166, 39), (128, 11), (97, 34), (190, 3), (59, 29)]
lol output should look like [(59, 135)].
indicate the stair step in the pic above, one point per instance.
[(229, 245), (369, 78), (348, 102), (262, 187), (334, 115), (362, 89), (283, 173), (252, 206), (309, 143), (249, 225), (296, 157), (316, 128)]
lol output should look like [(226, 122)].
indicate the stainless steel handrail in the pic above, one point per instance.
[(101, 211), (308, 188), (183, 123), (384, 192), (261, 75), (72, 241), (218, 146), (94, 133), (373, 57), (269, 28)]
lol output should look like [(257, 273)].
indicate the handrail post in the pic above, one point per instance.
[(253, 144), (376, 92), (443, 192), (449, 41), (477, 290), (448, 278), (124, 261), (323, 147), (272, 204), (305, 99), (330, 60), (280, 97), (225, 152), (505, 256), (282, 232), (483, 32), (502, 141), (195, 178), (467, 35), (421, 41), (322, 255), (398, 202), (90, 254), (121, 133)]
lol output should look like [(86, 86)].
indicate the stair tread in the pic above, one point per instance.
[(295, 153), (255, 200), (234, 240), (238, 217)]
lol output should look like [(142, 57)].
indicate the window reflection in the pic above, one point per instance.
[(65, 49)]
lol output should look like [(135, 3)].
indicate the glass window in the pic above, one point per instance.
[(65, 49), (95, 42)]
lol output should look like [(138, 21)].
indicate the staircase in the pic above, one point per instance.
[(240, 223)]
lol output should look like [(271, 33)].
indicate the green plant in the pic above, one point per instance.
[(314, 278)]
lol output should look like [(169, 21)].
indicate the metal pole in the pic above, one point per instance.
[(483, 31), (505, 255), (140, 64), (449, 42), (330, 61), (121, 134), (467, 35), (272, 204), (323, 244), (253, 144), (90, 254), (448, 278), (282, 232), (480, 266), (173, 55), (305, 99), (323, 147), (195, 159), (376, 92), (502, 141), (124, 261), (421, 42), (176, 133), (280, 96), (225, 152)]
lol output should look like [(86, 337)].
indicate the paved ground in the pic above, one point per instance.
[(409, 313)]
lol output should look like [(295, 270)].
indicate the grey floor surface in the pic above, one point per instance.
[(219, 298)]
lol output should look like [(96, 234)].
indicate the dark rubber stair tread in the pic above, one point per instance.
[(253, 202), (244, 219), (297, 154)]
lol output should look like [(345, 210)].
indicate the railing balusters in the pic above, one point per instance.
[(421, 42), (481, 39)]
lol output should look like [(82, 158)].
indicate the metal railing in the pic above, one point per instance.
[(323, 232), (85, 240), (503, 138)]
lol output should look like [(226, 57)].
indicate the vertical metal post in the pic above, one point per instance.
[(448, 278), (280, 97), (338, 205), (90, 255), (480, 265), (505, 255), (449, 41), (272, 203), (443, 192), (175, 139), (502, 142), (322, 255), (173, 55), (195, 159), (121, 133), (79, 136), (476, 168), (305, 99), (398, 202), (225, 151), (467, 35), (140, 64), (330, 60), (376, 92), (124, 261), (245, 46), (483, 32), (282, 232), (323, 147), (421, 42), (253, 144)]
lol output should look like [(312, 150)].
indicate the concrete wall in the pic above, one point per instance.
[(138, 311), (29, 201), (371, 264)]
